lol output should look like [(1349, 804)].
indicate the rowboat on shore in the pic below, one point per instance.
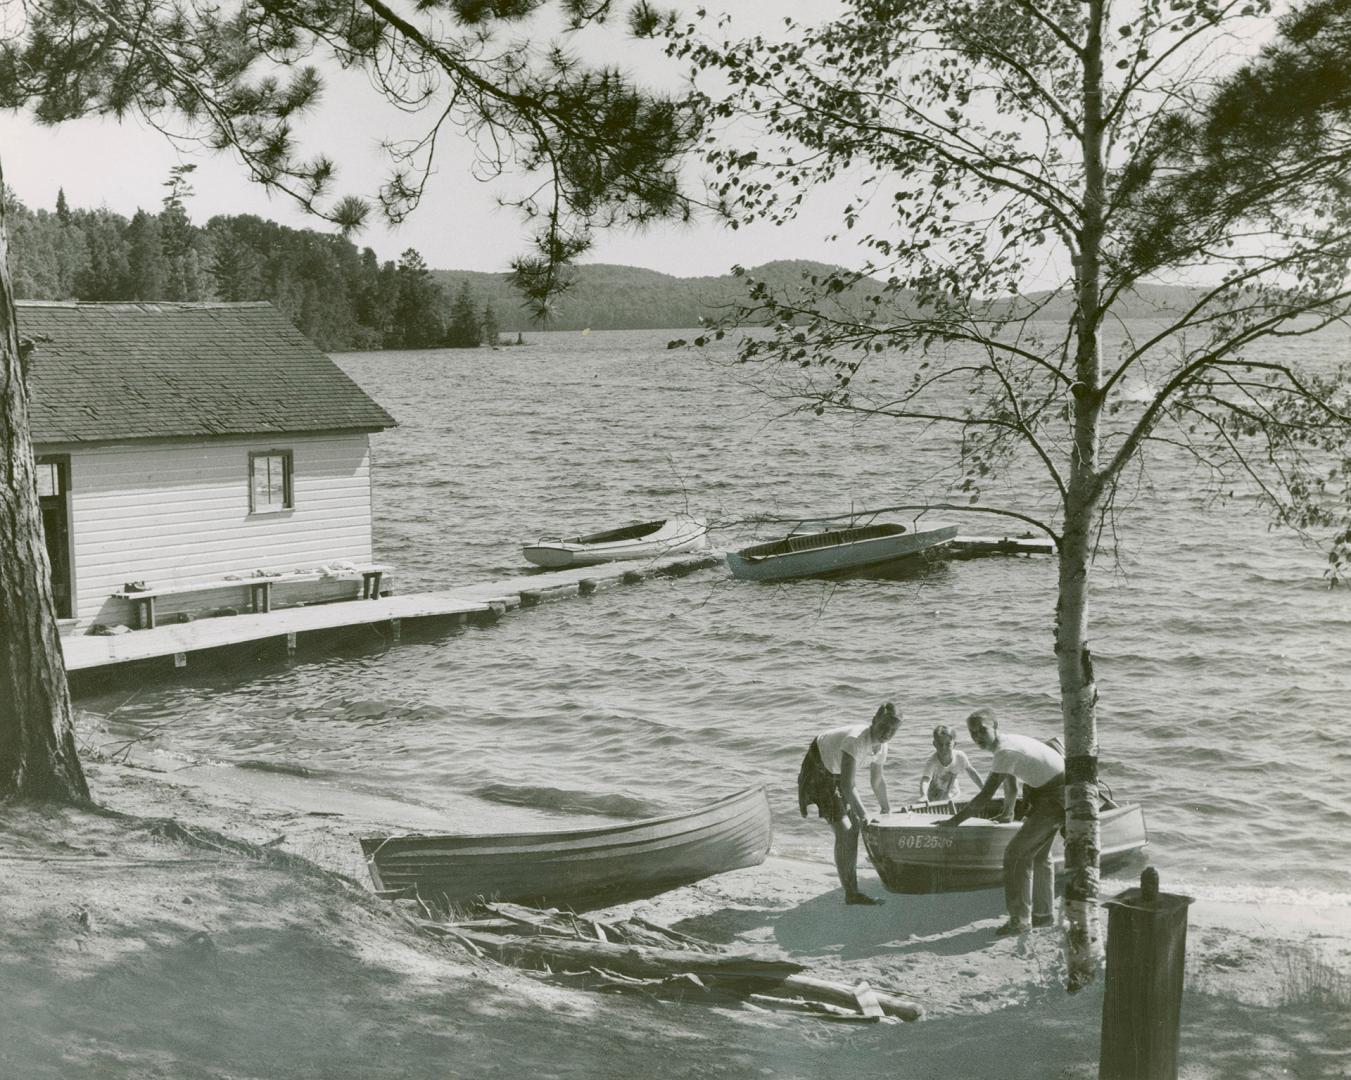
[(578, 868), (644, 540), (834, 551), (914, 854)]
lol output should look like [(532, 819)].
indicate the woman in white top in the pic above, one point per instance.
[(826, 780)]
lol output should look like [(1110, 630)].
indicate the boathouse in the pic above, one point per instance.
[(195, 459)]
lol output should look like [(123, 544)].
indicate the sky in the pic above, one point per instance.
[(459, 225)]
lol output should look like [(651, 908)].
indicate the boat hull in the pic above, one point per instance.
[(581, 869), (913, 854), (668, 537), (839, 551)]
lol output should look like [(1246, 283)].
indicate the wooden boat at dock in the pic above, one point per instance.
[(834, 551), (914, 854), (644, 540), (578, 868)]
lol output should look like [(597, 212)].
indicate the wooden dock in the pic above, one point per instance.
[(978, 547), (287, 626)]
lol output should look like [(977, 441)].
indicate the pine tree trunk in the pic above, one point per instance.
[(1078, 690), (37, 741)]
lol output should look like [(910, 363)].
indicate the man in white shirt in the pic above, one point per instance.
[(827, 777), (1029, 881)]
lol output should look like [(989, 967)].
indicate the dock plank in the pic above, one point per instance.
[(84, 651), (87, 651), (971, 547)]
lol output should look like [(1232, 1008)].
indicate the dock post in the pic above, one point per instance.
[(396, 629), (1142, 1002), (180, 659), (291, 644)]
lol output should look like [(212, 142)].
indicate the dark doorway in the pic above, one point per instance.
[(53, 476)]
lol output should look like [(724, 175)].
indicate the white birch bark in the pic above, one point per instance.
[(1078, 690)]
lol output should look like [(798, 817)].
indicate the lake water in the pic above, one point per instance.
[(1222, 656)]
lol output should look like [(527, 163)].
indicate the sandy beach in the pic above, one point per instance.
[(218, 923)]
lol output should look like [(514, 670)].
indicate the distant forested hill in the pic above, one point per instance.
[(339, 295), (343, 297), (609, 297), (1142, 302)]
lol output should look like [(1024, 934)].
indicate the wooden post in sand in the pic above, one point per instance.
[(1142, 1002)]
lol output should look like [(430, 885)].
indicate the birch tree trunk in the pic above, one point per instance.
[(37, 741), (1078, 702), (1078, 690)]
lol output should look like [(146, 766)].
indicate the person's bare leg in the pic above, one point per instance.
[(846, 862)]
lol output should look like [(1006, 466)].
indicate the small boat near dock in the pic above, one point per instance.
[(644, 540), (834, 551), (912, 853), (579, 868)]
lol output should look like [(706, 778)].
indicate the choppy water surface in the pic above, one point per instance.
[(1222, 657)]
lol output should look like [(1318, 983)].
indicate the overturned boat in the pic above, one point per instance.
[(579, 868)]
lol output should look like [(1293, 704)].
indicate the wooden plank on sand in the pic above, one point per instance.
[(636, 960)]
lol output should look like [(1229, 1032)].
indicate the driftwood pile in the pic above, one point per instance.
[(636, 955)]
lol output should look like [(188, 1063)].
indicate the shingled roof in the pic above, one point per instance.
[(164, 370)]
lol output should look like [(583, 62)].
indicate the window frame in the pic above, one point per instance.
[(59, 466), (288, 481)]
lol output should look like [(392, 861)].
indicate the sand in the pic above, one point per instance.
[(217, 923)]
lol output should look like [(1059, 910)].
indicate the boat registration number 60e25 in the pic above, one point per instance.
[(936, 841)]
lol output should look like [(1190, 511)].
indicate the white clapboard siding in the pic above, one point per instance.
[(173, 514)]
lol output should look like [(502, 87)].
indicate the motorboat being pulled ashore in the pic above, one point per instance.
[(912, 853), (644, 540)]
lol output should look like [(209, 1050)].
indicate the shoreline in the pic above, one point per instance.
[(261, 880)]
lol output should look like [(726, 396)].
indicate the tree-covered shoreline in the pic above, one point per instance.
[(345, 298), (338, 295)]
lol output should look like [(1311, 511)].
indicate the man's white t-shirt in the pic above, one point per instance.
[(1030, 760), (854, 741)]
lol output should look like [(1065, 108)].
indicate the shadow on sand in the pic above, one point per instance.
[(935, 923)]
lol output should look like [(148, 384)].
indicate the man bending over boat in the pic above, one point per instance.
[(826, 780), (1029, 883)]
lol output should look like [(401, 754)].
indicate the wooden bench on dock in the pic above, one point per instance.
[(260, 588)]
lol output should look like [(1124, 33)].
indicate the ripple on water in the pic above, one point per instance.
[(568, 801)]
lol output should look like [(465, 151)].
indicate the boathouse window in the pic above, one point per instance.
[(270, 482), (49, 478)]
